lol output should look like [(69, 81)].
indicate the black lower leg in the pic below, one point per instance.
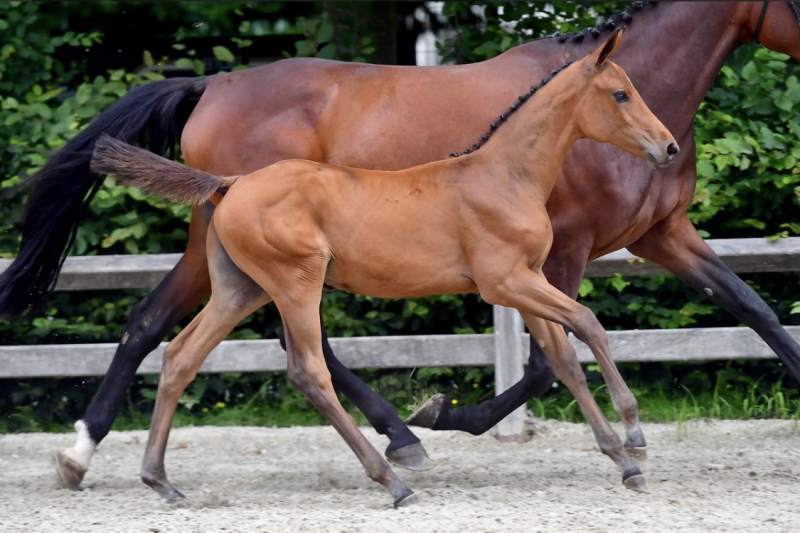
[(727, 290), (478, 419), (379, 412), (150, 320)]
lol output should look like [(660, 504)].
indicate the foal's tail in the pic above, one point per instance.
[(152, 116), (153, 174)]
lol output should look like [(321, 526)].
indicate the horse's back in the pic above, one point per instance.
[(359, 115)]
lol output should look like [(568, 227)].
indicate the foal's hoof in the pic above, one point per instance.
[(70, 473), (636, 452), (426, 414), (412, 457), (406, 500), (635, 482), (164, 488)]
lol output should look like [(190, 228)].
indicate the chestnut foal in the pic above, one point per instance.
[(284, 232)]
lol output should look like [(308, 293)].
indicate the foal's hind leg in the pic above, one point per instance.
[(307, 371), (234, 297), (405, 449)]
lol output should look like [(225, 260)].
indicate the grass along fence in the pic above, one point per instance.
[(506, 349)]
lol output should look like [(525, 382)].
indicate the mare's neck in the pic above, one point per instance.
[(530, 147), (671, 60)]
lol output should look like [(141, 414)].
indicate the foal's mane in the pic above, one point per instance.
[(611, 24)]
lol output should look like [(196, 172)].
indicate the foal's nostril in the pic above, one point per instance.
[(673, 149)]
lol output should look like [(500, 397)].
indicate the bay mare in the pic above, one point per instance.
[(476, 223), (397, 117)]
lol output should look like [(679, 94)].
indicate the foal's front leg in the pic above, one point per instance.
[(534, 297), (551, 335)]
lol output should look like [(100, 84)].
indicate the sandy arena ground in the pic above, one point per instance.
[(717, 476)]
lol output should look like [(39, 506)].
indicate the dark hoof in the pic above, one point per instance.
[(70, 473), (412, 457), (636, 452), (635, 482), (164, 488), (426, 414), (405, 501)]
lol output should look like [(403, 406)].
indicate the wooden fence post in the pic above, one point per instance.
[(508, 367)]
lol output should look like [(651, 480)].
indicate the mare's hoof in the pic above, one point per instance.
[(405, 501), (636, 452), (635, 482), (412, 457), (164, 488), (426, 414), (70, 473)]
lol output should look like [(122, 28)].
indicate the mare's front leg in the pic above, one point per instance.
[(675, 244), (151, 319)]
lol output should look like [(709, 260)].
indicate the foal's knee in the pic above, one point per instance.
[(587, 328), (310, 379)]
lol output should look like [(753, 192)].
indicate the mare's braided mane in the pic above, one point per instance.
[(611, 24)]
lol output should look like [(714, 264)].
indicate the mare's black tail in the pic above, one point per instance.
[(151, 116)]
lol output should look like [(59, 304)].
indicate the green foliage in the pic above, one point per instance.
[(484, 30), (317, 43), (747, 149)]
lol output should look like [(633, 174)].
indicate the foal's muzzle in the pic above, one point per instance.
[(663, 158)]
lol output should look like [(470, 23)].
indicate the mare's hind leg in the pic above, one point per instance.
[(184, 288), (307, 371), (234, 297), (529, 292)]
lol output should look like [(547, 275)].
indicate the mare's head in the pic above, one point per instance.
[(610, 110), (779, 27)]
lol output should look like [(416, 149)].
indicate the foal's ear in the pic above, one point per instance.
[(604, 53)]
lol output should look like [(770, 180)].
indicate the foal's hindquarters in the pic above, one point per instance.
[(234, 296)]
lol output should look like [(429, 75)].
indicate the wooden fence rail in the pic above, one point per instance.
[(637, 346), (506, 349)]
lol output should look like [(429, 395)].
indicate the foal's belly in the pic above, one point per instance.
[(401, 277)]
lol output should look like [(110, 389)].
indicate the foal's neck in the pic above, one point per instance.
[(532, 144)]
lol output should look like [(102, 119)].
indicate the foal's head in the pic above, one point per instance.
[(609, 109)]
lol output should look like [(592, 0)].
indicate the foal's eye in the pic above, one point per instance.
[(621, 96)]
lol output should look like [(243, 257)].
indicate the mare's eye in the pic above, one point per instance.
[(621, 96)]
